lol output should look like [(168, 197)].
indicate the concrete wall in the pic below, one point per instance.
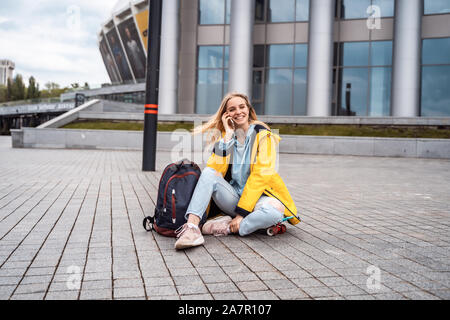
[(183, 143)]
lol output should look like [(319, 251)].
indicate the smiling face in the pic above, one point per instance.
[(238, 111)]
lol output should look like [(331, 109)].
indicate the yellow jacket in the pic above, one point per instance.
[(263, 178)]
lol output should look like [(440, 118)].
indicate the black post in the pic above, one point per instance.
[(152, 84)]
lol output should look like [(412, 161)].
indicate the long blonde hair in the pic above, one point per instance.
[(214, 127)]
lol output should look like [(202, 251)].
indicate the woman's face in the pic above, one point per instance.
[(238, 110)]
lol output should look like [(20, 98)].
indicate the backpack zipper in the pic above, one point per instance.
[(167, 185), (174, 214)]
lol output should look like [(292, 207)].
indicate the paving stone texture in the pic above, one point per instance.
[(71, 228)]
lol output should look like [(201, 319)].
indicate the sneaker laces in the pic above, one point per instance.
[(179, 232)]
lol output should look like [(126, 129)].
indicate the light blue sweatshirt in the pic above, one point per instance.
[(240, 170)]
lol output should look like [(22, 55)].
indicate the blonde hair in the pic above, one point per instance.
[(214, 127)]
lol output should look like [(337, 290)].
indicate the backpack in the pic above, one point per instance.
[(175, 190)]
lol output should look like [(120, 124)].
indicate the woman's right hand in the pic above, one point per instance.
[(226, 119)]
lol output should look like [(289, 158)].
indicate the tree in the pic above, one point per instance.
[(33, 89), (86, 86), (75, 85), (8, 90), (3, 93), (18, 88)]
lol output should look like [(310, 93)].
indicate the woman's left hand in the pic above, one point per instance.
[(234, 224)]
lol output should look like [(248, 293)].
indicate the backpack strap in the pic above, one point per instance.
[(148, 223)]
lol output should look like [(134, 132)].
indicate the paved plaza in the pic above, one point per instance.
[(71, 228)]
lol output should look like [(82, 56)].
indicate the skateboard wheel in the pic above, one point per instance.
[(270, 231), (283, 228)]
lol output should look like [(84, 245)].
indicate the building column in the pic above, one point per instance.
[(406, 68), (241, 46), (168, 71), (320, 58)]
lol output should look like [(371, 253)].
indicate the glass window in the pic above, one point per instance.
[(257, 85), (278, 98), (355, 53), (436, 6), (381, 53), (387, 7), (227, 11), (436, 91), (354, 9), (259, 10), (280, 55), (212, 77), (358, 9), (258, 56), (212, 11), (301, 55), (302, 10), (209, 91), (380, 92), (210, 57), (436, 51), (354, 88), (281, 10), (300, 78)]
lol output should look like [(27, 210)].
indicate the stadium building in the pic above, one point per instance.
[(375, 58)]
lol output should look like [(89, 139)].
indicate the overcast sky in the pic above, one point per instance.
[(54, 40)]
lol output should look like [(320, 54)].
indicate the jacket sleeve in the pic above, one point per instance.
[(264, 167), (219, 158)]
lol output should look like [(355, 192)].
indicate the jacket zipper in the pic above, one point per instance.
[(282, 203), (167, 184)]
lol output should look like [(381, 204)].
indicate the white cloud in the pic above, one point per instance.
[(55, 40)]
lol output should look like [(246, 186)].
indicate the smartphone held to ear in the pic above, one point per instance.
[(231, 123)]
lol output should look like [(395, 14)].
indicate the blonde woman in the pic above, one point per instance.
[(240, 177)]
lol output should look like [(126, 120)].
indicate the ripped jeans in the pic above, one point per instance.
[(210, 185)]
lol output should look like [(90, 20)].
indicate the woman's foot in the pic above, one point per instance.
[(188, 235), (217, 226)]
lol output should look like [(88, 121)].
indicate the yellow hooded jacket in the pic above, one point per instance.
[(263, 178)]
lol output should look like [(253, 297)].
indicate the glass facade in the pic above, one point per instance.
[(281, 10), (360, 9), (214, 11), (436, 6), (435, 78), (212, 77), (364, 72), (279, 79)]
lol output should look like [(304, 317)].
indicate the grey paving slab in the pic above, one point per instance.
[(372, 228)]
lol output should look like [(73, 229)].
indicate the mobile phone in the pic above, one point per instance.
[(231, 123)]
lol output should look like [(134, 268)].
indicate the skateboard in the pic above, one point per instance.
[(279, 228)]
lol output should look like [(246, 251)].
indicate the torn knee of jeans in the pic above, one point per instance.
[(276, 204)]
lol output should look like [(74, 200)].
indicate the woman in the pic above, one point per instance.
[(240, 177)]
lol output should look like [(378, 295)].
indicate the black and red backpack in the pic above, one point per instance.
[(175, 190)]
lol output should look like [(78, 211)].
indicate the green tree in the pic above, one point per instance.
[(86, 86), (8, 90), (18, 88), (75, 85), (33, 89), (3, 93)]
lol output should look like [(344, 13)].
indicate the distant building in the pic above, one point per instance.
[(6, 71)]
